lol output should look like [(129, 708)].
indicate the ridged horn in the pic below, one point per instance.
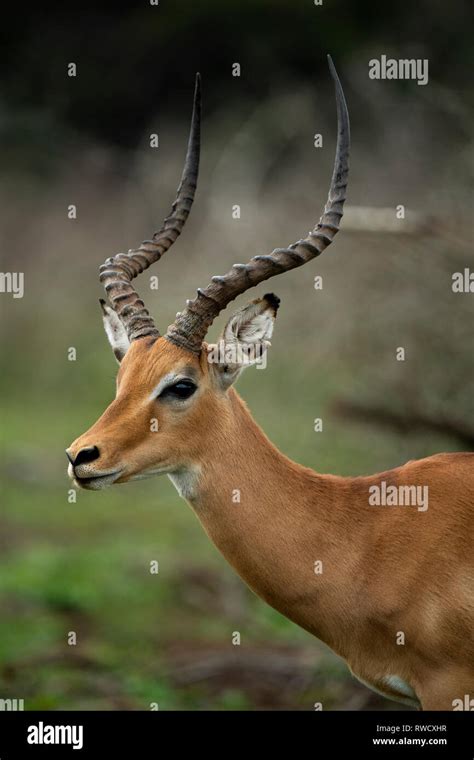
[(192, 324), (118, 271)]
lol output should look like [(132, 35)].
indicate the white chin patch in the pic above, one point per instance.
[(95, 484)]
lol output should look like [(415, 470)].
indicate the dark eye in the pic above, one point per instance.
[(182, 389)]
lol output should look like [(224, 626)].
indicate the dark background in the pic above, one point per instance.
[(83, 566), (136, 60)]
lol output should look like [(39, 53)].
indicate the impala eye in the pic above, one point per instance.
[(182, 389)]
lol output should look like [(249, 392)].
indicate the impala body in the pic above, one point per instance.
[(383, 577)]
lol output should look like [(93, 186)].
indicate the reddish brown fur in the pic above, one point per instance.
[(385, 569)]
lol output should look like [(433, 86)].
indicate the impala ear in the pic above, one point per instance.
[(245, 339), (115, 331)]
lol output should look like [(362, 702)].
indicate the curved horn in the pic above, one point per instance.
[(117, 272), (191, 325)]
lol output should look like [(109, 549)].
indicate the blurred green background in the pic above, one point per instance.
[(84, 566)]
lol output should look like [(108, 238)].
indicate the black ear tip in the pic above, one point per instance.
[(272, 300), (102, 304)]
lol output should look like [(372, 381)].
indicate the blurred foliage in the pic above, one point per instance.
[(136, 62)]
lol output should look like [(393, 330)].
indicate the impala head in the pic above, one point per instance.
[(172, 402)]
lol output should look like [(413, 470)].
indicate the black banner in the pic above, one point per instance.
[(110, 734)]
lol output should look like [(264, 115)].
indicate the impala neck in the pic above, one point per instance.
[(273, 520)]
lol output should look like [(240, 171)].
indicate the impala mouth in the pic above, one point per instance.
[(96, 482)]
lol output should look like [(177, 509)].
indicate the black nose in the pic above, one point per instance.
[(84, 456)]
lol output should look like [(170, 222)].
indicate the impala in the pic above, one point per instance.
[(393, 594)]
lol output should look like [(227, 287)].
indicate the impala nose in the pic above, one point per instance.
[(89, 454)]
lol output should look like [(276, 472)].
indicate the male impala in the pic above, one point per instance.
[(393, 594)]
